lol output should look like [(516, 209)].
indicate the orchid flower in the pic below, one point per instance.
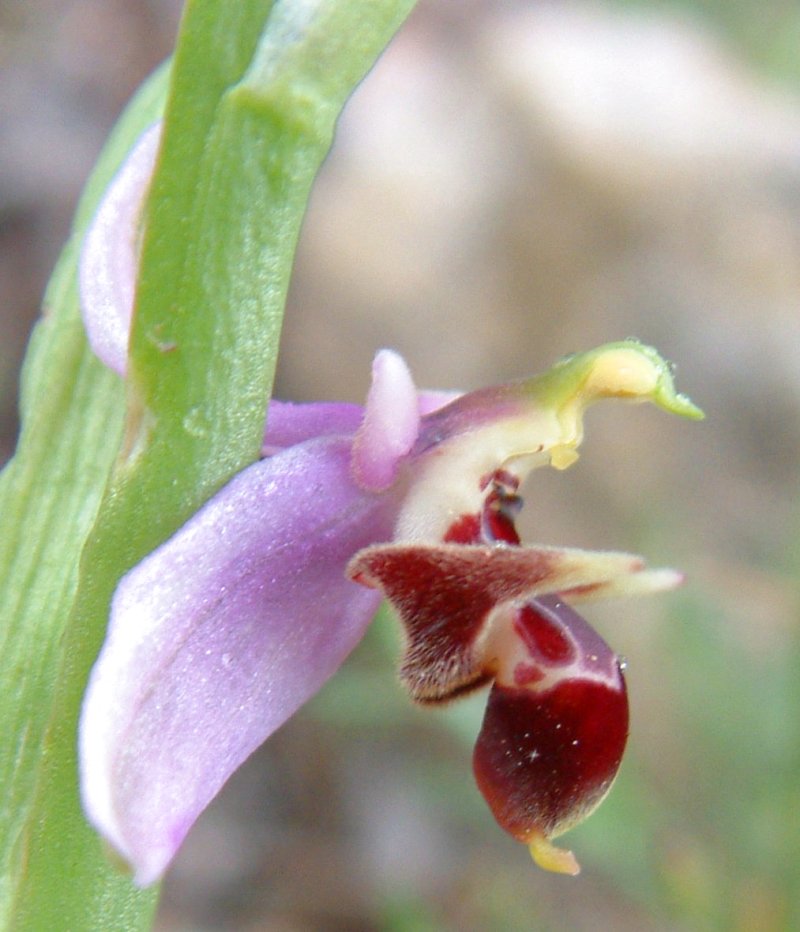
[(222, 633)]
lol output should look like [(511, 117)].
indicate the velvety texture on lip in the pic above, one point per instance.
[(446, 596)]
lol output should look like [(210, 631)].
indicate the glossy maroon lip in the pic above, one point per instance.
[(556, 721), (545, 759)]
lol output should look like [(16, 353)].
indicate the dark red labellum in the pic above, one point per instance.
[(544, 760)]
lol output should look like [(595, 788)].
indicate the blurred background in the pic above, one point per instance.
[(515, 181)]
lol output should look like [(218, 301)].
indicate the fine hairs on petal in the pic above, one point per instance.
[(391, 423)]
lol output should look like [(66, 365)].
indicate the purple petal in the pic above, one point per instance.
[(431, 400), (391, 423), (108, 262), (217, 637), (289, 424)]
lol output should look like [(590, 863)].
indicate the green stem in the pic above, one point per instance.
[(49, 498), (256, 89)]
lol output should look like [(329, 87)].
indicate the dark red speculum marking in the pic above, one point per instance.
[(495, 522), (542, 636), (465, 530), (498, 516), (500, 508), (544, 760), (500, 477), (526, 674)]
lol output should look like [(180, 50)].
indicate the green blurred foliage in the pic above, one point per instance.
[(767, 33)]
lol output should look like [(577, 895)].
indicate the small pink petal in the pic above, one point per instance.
[(430, 401), (109, 260), (289, 424), (216, 638), (391, 423)]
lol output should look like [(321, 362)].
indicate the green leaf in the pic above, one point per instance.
[(255, 91), (49, 496)]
